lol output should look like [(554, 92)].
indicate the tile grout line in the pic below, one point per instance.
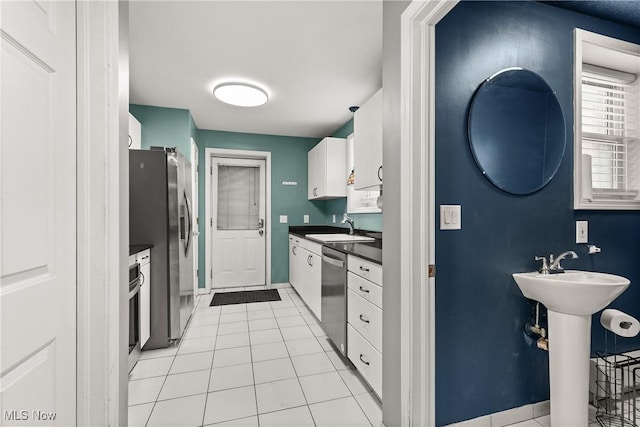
[(297, 376), (213, 358)]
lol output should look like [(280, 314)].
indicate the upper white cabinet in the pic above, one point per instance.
[(135, 133), (367, 129), (327, 164)]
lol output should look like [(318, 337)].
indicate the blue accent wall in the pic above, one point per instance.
[(484, 363)]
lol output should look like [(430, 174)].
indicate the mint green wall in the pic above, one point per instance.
[(164, 127), (288, 163), (337, 207)]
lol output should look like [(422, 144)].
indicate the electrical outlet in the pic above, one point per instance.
[(283, 219), (306, 219), (582, 231), (334, 218)]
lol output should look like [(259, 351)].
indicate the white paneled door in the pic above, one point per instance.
[(38, 213), (238, 206), (195, 170)]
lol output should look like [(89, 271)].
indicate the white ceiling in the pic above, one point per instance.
[(315, 58)]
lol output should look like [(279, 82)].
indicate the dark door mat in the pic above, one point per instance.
[(244, 297)]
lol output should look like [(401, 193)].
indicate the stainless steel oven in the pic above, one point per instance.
[(135, 278)]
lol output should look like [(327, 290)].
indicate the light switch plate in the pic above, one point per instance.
[(582, 231), (450, 217), (306, 219), (334, 218), (283, 219)]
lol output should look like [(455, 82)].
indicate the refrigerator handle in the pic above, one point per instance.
[(190, 224)]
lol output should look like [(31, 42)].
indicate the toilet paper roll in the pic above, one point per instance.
[(620, 323)]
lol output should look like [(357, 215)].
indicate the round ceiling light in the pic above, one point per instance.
[(241, 94)]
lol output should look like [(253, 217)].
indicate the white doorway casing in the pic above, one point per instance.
[(417, 197), (195, 170), (210, 153)]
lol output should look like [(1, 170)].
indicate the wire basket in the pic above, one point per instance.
[(617, 389)]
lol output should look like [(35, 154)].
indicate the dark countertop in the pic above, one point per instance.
[(134, 249), (371, 251)]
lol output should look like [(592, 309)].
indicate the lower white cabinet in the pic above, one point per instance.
[(364, 319), (305, 271), (144, 259), (365, 358)]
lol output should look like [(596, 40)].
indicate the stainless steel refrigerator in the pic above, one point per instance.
[(160, 214)]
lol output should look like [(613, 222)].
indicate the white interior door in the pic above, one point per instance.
[(238, 207), (195, 220), (38, 213)]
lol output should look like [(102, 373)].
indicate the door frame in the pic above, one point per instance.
[(209, 154), (103, 211), (195, 202), (417, 229)]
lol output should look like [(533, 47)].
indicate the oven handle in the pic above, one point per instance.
[(332, 261)]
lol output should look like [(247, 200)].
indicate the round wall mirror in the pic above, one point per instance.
[(517, 131)]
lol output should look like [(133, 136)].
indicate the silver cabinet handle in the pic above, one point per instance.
[(364, 290), (130, 141), (142, 280), (364, 361), (363, 269), (380, 173), (364, 319), (311, 260), (293, 249)]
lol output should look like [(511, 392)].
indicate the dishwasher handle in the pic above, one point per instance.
[(333, 261)]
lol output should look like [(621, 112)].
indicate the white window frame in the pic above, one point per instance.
[(611, 51), (359, 201)]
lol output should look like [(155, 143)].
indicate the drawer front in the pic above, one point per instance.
[(366, 318), (314, 247), (365, 358), (367, 269), (365, 288), (295, 239)]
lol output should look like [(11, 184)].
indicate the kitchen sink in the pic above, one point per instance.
[(338, 238)]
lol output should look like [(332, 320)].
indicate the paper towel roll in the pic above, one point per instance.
[(620, 323)]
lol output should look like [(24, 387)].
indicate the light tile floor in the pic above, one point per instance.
[(259, 364)]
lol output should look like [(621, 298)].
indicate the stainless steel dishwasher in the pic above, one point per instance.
[(334, 297)]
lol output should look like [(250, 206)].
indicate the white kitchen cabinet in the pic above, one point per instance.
[(367, 129), (135, 133), (305, 271), (310, 280), (327, 163), (364, 319), (144, 259), (293, 261)]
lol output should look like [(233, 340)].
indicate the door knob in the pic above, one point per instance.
[(261, 232)]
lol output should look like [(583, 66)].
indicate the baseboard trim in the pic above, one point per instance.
[(508, 417)]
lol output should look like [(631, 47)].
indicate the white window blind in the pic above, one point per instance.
[(238, 197), (610, 132)]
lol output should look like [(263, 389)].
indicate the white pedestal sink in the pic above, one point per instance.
[(571, 298)]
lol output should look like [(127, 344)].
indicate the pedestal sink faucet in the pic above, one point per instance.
[(554, 264)]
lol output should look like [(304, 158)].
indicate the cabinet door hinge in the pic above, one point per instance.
[(211, 170), (211, 275), (432, 270), (197, 272), (211, 222)]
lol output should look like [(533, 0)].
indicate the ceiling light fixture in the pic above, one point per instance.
[(241, 94)]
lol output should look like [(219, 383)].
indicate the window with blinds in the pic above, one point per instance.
[(609, 131), (607, 160), (238, 197)]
